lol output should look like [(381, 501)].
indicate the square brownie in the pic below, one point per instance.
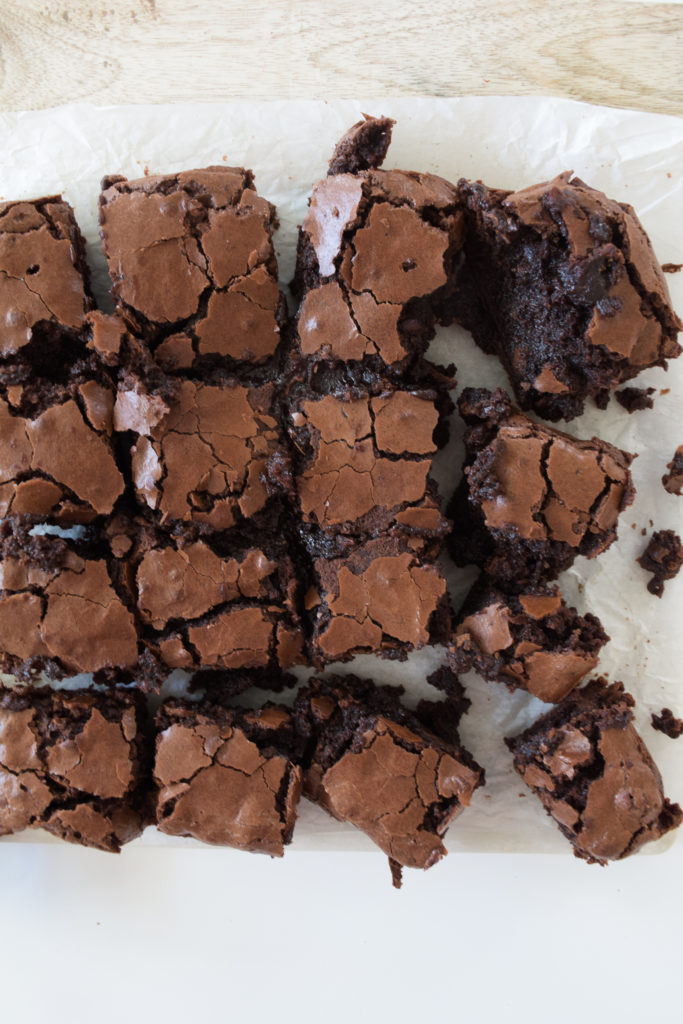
[(227, 776), (532, 498), (74, 763), (562, 284), (193, 266), (374, 763), (532, 640), (594, 775)]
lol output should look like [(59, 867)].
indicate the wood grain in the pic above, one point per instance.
[(616, 53)]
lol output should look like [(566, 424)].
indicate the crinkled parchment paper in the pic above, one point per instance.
[(507, 142)]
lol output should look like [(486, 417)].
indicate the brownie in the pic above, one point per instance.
[(667, 723), (227, 776), (362, 461), (374, 763), (44, 278), (377, 256), (673, 480), (74, 763), (531, 641), (635, 399), (383, 597), (213, 602), (532, 498), (663, 557), (562, 284), (594, 775), (193, 266), (211, 455)]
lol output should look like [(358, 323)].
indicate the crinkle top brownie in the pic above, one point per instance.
[(532, 498), (193, 266), (562, 283), (74, 763), (594, 775), (377, 255)]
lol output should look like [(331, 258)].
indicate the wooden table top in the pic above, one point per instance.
[(615, 52)]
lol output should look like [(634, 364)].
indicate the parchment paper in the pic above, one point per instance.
[(510, 143)]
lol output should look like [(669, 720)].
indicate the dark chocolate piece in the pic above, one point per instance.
[(562, 284), (663, 557), (74, 763), (673, 480), (532, 498), (667, 723), (227, 776), (373, 763), (531, 640), (594, 775), (635, 399)]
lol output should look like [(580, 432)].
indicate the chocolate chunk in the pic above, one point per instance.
[(373, 763), (673, 480), (594, 775), (73, 763), (532, 498), (663, 557), (667, 723), (227, 776), (562, 284), (532, 640)]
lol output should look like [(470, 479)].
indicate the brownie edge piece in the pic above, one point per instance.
[(594, 775), (373, 763), (227, 776), (73, 763)]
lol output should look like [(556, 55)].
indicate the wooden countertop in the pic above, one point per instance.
[(615, 52)]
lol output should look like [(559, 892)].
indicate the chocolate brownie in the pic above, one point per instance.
[(532, 640), (562, 284), (667, 723), (635, 399), (44, 279), (193, 266), (74, 763), (373, 763), (377, 256), (532, 498), (211, 602), (362, 461), (594, 775), (383, 596), (673, 480), (210, 455), (227, 776), (663, 557)]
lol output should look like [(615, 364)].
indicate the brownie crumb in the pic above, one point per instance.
[(667, 723), (672, 268), (673, 480), (635, 399), (364, 146), (396, 873), (662, 557)]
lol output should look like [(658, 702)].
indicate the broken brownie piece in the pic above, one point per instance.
[(383, 596), (667, 723), (193, 266), (227, 776), (532, 498), (377, 256), (373, 763), (594, 775), (532, 640), (74, 763), (44, 278), (562, 284), (673, 480), (663, 557)]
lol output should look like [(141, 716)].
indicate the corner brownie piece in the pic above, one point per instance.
[(75, 764), (44, 278), (663, 557), (532, 498), (373, 763), (193, 266), (377, 257), (363, 460), (531, 641), (227, 776), (594, 775), (383, 596), (562, 284)]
